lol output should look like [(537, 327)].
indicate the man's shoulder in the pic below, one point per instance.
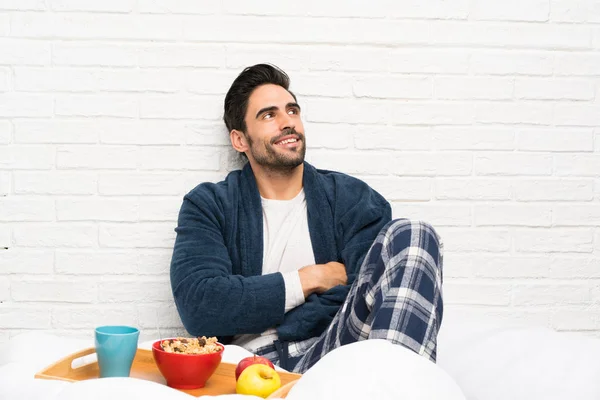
[(348, 190), (205, 191)]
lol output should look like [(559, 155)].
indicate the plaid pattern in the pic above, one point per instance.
[(397, 296)]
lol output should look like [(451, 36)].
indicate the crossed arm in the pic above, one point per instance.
[(319, 278)]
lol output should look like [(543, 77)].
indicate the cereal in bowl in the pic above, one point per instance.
[(199, 345)]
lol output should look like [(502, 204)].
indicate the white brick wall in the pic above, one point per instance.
[(482, 117)]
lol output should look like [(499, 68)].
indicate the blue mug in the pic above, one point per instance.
[(116, 347)]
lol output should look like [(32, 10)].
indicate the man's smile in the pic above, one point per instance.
[(289, 140), (286, 141)]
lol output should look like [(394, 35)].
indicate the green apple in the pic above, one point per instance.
[(258, 380)]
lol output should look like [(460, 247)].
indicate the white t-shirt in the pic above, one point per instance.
[(286, 249)]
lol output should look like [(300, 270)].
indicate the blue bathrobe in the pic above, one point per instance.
[(217, 259)]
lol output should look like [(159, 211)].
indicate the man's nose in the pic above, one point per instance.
[(287, 122)]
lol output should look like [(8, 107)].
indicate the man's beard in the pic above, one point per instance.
[(274, 160)]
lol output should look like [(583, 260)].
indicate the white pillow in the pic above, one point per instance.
[(375, 369), (525, 364)]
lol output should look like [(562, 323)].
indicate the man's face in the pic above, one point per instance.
[(274, 129)]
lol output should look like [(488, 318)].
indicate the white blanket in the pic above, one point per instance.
[(486, 358), (375, 364)]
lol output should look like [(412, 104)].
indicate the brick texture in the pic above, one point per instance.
[(479, 117)]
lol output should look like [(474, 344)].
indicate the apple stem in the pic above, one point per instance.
[(265, 375)]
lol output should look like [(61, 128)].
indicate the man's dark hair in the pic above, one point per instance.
[(236, 100)]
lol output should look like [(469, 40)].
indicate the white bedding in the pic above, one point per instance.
[(337, 372), (487, 359)]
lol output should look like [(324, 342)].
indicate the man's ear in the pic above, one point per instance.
[(238, 140)]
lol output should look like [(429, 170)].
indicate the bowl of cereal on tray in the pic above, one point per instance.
[(187, 363)]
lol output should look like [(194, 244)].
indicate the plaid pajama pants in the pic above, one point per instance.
[(397, 296)]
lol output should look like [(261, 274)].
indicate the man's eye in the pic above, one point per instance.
[(293, 111), (268, 116)]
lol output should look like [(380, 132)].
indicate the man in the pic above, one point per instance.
[(290, 261)]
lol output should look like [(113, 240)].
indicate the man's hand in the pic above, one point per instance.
[(320, 278)]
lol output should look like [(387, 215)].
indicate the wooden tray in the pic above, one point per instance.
[(144, 367)]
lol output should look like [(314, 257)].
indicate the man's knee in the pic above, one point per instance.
[(415, 233), (410, 226)]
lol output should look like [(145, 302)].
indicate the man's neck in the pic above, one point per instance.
[(279, 185)]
